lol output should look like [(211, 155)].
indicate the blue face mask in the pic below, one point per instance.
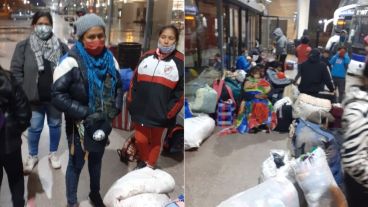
[(342, 38), (166, 50)]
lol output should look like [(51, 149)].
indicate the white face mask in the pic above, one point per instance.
[(366, 48), (255, 57)]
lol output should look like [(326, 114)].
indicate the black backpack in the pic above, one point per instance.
[(284, 118), (174, 140)]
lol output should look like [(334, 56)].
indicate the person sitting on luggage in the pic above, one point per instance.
[(255, 110), (256, 56), (243, 61), (354, 148), (314, 76)]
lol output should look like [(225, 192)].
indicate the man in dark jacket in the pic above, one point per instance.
[(15, 114), (315, 75), (280, 44)]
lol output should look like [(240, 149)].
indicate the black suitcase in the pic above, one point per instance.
[(284, 118)]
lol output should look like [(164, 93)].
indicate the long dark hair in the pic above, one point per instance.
[(40, 14), (176, 31)]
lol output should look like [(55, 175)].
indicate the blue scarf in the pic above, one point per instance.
[(97, 69)]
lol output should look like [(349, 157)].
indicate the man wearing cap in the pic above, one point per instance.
[(87, 88)]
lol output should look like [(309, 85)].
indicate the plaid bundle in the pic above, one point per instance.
[(225, 113)]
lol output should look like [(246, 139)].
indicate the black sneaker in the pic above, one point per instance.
[(96, 199), (140, 164)]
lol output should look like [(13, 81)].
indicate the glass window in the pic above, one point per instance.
[(200, 34)]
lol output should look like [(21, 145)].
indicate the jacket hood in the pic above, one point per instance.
[(278, 33), (314, 56), (355, 93)]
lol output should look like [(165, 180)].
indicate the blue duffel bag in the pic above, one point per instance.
[(126, 75), (308, 136)]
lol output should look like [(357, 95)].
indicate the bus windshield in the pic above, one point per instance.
[(360, 26)]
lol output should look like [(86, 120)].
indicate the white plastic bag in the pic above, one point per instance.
[(274, 192), (205, 100), (145, 180), (277, 164), (291, 91), (145, 199), (315, 179), (196, 130)]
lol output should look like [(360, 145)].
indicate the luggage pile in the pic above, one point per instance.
[(304, 181), (211, 100)]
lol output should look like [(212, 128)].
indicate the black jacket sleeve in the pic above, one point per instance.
[(177, 95), (17, 61), (21, 106), (327, 78), (60, 96)]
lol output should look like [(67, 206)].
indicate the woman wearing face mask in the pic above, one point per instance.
[(156, 95), (339, 64), (87, 88), (33, 64)]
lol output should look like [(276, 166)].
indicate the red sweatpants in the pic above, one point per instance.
[(148, 141)]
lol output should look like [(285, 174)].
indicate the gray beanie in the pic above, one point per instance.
[(87, 21)]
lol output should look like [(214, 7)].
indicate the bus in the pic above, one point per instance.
[(352, 16)]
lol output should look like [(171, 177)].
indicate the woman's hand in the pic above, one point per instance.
[(261, 96)]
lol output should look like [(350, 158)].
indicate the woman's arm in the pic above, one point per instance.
[(61, 99), (17, 62)]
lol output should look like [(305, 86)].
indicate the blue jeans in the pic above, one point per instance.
[(75, 166), (37, 122)]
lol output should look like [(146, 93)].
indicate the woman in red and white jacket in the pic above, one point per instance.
[(156, 95)]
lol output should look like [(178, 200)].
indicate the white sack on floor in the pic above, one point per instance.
[(145, 199), (140, 181), (306, 105), (196, 130), (274, 192)]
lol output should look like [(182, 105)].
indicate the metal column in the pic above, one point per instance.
[(220, 24), (109, 21), (148, 27)]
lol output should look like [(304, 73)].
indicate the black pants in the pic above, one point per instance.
[(340, 85), (282, 58), (356, 194), (12, 163)]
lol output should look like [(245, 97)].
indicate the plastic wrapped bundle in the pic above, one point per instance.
[(143, 181), (146, 200), (278, 164), (275, 192), (196, 130), (316, 180)]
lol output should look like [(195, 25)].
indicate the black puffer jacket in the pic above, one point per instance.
[(70, 89), (15, 106), (314, 75)]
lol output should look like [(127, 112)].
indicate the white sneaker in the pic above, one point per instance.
[(54, 160), (30, 164)]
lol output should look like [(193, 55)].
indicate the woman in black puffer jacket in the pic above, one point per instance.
[(15, 114)]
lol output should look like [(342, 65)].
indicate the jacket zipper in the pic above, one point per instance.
[(153, 75)]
